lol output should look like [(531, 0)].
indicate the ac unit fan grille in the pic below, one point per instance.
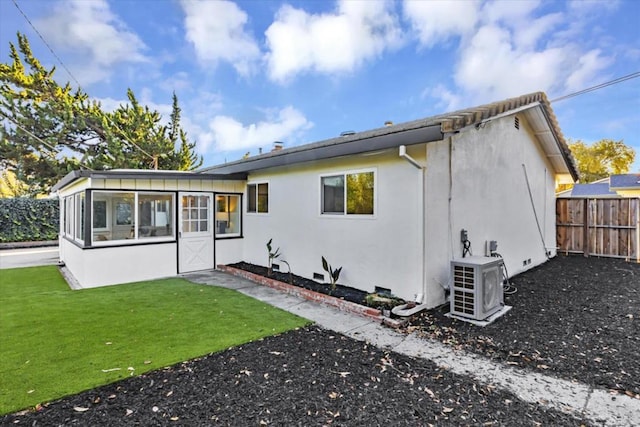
[(464, 279)]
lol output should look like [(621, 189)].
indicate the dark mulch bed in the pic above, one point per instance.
[(343, 292), (305, 377), (573, 317)]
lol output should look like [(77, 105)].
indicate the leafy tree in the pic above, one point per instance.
[(602, 158), (10, 186), (48, 130), (360, 193)]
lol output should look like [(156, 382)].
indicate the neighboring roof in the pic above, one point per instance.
[(142, 174), (630, 181), (542, 119), (600, 189)]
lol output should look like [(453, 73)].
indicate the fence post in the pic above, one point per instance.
[(585, 236)]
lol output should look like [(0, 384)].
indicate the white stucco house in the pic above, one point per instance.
[(388, 205)]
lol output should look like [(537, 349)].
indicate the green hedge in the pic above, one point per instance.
[(26, 220)]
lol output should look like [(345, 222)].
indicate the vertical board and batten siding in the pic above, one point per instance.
[(168, 185), (607, 227)]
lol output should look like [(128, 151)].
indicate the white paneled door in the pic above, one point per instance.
[(195, 233)]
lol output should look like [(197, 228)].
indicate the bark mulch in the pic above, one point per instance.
[(572, 317), (304, 377), (343, 292)]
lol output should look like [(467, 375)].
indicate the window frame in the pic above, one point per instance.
[(239, 213), (344, 174), (257, 185), (79, 207), (116, 197)]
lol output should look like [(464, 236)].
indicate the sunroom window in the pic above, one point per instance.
[(348, 193), (119, 216), (227, 215)]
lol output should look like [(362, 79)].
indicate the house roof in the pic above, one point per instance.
[(535, 107), (629, 181), (142, 174), (594, 189)]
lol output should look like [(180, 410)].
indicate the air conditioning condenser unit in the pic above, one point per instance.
[(476, 291)]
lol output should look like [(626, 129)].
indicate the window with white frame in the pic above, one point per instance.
[(68, 216), (79, 209), (73, 216), (351, 193), (131, 216), (258, 197), (227, 215), (195, 214)]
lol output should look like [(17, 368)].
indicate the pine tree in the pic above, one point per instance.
[(48, 130)]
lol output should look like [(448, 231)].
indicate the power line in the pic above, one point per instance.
[(45, 43), (600, 86), (152, 157), (37, 138)]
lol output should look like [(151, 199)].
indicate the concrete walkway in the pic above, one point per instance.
[(597, 405)]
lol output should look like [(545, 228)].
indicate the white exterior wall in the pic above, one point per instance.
[(489, 198), (383, 250), (104, 265), (228, 251), (123, 264)]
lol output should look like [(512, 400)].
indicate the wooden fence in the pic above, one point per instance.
[(606, 227)]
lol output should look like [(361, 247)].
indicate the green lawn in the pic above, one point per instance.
[(55, 341)]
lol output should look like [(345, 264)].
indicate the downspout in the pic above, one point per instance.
[(406, 309)]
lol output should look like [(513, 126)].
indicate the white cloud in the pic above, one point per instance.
[(527, 35), (508, 11), (587, 68), (330, 43), (217, 31), (448, 101), (229, 134), (515, 50), (492, 68), (90, 30), (593, 7), (437, 21)]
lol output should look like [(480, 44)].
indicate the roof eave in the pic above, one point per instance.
[(73, 176), (358, 145)]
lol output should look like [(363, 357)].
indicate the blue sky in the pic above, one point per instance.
[(249, 73)]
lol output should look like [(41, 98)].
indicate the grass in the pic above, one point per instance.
[(56, 342)]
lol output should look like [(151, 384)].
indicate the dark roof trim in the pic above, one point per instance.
[(337, 147), (144, 174), (425, 130)]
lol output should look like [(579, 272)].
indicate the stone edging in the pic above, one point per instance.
[(309, 295)]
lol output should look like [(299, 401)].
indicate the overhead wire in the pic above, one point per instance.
[(37, 138), (599, 86), (124, 136)]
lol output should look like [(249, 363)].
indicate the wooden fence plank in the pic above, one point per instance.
[(608, 227)]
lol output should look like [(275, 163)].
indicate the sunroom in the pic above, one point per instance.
[(123, 226)]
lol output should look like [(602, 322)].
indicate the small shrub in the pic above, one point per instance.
[(382, 302), (272, 255), (334, 275)]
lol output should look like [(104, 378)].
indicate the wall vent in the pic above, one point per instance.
[(516, 122)]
